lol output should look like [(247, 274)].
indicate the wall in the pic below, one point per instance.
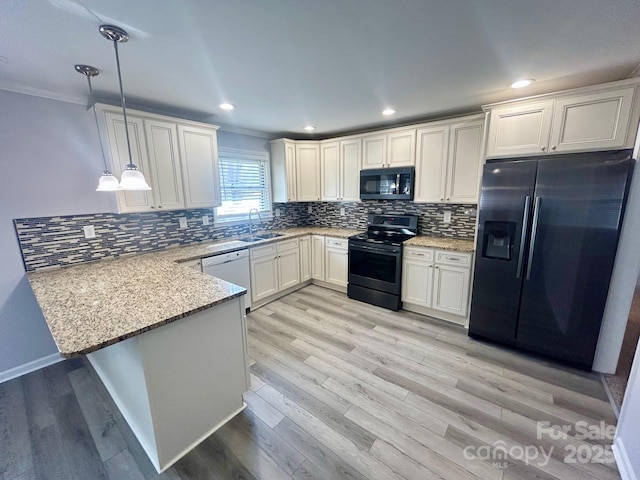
[(626, 444), (50, 162), (623, 281)]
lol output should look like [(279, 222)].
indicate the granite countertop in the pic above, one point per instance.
[(208, 249), (443, 243), (93, 305)]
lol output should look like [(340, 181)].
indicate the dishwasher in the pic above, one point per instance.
[(232, 267)]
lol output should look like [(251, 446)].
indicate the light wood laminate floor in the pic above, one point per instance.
[(340, 389)]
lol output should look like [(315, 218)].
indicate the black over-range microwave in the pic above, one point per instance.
[(387, 184)]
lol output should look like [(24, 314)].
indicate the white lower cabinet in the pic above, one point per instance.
[(437, 282), (336, 261), (288, 264), (274, 268), (317, 257), (451, 289), (264, 272), (305, 258)]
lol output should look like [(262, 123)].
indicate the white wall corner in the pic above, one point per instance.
[(622, 460), (30, 367), (636, 72)]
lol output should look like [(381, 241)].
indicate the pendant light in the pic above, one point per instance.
[(107, 182), (132, 178)]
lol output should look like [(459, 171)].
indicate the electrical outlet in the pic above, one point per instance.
[(89, 231), (447, 217), (310, 209), (205, 219), (277, 212), (183, 222), (342, 212)]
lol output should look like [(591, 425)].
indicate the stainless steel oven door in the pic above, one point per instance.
[(375, 267)]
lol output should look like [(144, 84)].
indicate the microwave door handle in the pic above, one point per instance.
[(523, 235)]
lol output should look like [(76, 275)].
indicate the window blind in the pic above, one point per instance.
[(244, 185)]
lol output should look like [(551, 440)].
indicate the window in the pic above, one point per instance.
[(244, 184)]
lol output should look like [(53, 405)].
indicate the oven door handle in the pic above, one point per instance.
[(381, 251)]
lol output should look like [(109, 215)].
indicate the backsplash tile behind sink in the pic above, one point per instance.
[(59, 241)]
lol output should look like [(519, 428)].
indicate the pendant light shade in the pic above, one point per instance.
[(107, 182), (131, 178)]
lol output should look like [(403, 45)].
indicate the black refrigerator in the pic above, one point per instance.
[(548, 230)]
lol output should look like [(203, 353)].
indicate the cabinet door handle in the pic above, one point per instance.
[(441, 199), (543, 148), (437, 266), (553, 148), (159, 206), (152, 206), (455, 259), (418, 254), (448, 199)]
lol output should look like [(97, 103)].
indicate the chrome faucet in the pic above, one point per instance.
[(251, 220)]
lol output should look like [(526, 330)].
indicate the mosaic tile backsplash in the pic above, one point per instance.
[(59, 241)]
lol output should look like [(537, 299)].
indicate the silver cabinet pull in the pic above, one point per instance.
[(534, 231), (543, 148), (523, 235), (553, 148)]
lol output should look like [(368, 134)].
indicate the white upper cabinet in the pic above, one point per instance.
[(595, 121), (393, 149), (401, 148), (465, 162), (164, 155), (341, 170), (308, 171), (520, 129), (350, 158), (129, 201), (178, 158), (432, 154), (449, 162), (374, 151), (588, 119), (283, 170), (329, 153), (199, 155)]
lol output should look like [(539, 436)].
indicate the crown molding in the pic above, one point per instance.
[(37, 92), (247, 131), (635, 72)]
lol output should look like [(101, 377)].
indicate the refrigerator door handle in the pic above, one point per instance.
[(534, 230), (523, 235)]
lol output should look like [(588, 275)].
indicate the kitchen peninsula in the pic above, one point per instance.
[(168, 343)]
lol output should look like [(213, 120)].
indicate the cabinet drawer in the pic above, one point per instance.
[(453, 258), (414, 253), (336, 243), (263, 251), (287, 244)]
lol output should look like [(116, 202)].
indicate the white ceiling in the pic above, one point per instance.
[(331, 63)]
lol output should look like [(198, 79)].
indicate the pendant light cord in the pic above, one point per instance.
[(95, 116), (124, 108)]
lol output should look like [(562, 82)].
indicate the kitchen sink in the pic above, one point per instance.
[(250, 239), (265, 236)]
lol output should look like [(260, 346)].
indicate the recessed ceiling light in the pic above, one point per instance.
[(227, 106), (388, 111), (310, 128), (525, 82)]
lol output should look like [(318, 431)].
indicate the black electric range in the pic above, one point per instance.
[(375, 259)]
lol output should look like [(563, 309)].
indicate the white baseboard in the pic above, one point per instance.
[(29, 367), (622, 460)]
